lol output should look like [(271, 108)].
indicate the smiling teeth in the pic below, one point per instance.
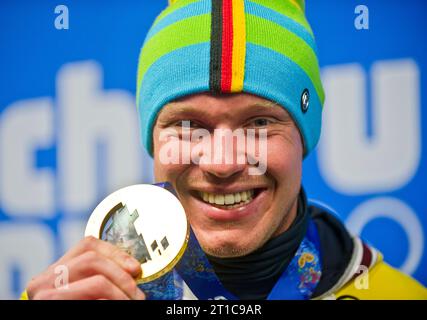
[(228, 199)]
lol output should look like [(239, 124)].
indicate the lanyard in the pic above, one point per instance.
[(297, 282), (302, 275)]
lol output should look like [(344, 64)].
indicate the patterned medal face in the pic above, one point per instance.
[(146, 221)]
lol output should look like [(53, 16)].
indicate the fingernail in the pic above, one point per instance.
[(132, 264)]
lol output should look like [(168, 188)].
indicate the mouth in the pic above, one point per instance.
[(230, 206), (229, 201)]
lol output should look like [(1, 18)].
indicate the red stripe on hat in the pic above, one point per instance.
[(227, 45)]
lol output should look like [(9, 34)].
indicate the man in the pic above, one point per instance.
[(213, 66)]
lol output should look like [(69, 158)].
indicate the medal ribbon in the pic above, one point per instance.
[(297, 282)]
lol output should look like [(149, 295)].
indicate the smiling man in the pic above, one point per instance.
[(248, 68)]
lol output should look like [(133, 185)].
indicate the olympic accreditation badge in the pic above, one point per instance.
[(146, 221)]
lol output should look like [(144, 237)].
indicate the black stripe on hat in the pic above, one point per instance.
[(216, 47)]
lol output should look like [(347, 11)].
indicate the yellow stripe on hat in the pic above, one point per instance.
[(239, 46)]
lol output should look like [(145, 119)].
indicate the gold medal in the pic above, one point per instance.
[(146, 221)]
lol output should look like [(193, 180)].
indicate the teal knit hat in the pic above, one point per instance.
[(262, 47)]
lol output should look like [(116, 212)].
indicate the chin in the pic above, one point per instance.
[(229, 251), (224, 246)]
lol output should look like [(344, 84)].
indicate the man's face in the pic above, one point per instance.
[(241, 226)]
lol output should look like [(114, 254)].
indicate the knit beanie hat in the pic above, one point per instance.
[(262, 47)]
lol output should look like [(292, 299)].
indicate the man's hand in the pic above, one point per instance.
[(96, 270)]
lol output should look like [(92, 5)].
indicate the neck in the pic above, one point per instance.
[(254, 275)]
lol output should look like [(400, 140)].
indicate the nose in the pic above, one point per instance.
[(225, 160), (222, 170)]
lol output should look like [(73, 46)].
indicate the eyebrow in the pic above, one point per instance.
[(266, 104), (173, 109)]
